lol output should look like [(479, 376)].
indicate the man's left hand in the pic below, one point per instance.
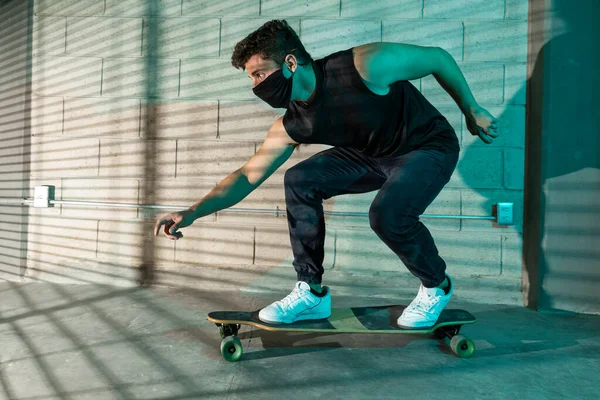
[(481, 123)]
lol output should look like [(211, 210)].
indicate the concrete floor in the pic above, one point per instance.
[(100, 342)]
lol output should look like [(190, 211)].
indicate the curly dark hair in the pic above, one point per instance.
[(272, 41)]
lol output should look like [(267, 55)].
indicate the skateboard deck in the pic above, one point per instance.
[(380, 319)]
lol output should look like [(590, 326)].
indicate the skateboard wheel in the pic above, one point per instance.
[(231, 348), (462, 347)]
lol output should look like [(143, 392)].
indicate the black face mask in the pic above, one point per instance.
[(276, 90)]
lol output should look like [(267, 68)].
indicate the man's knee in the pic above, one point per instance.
[(388, 218), (293, 176), (299, 181)]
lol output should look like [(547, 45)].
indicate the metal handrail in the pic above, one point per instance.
[(276, 211)]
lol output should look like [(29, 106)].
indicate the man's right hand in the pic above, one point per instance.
[(172, 222)]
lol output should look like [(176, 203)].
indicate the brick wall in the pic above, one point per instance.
[(97, 62)]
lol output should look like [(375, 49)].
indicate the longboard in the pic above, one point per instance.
[(380, 319)]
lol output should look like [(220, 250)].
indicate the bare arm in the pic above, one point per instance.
[(275, 150), (450, 77), (478, 120)]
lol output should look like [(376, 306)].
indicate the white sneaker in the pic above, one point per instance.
[(299, 305), (424, 310)]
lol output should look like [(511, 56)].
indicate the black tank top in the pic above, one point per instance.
[(346, 113)]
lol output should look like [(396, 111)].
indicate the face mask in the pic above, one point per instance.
[(276, 90)]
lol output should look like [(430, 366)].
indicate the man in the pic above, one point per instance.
[(385, 135)]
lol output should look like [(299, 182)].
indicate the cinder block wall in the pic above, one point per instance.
[(14, 135), (133, 104)]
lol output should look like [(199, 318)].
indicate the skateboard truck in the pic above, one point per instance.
[(228, 330)]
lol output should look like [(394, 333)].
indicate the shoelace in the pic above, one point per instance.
[(290, 297), (420, 305)]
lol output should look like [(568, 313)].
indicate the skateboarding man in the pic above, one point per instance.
[(384, 135)]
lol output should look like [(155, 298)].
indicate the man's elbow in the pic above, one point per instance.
[(442, 59)]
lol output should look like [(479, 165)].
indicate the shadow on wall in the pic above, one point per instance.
[(562, 170), (565, 139)]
